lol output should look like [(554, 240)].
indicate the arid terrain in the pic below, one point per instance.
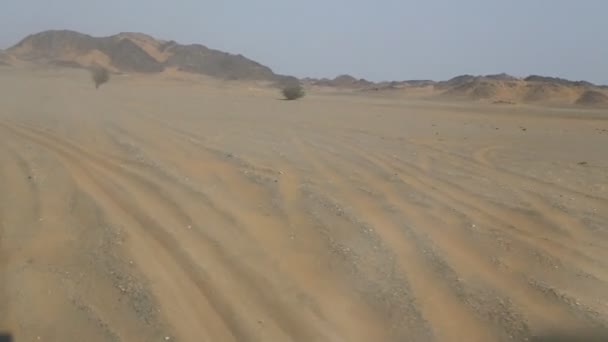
[(165, 208), (131, 52)]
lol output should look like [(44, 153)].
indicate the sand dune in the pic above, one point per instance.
[(158, 209)]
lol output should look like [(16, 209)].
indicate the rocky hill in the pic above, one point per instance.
[(534, 89), (141, 53), (498, 88), (342, 82), (136, 52), (559, 81), (4, 58), (593, 98)]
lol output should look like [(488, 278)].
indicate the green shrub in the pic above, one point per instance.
[(293, 92), (100, 76)]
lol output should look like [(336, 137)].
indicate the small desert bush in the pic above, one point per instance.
[(100, 76), (293, 92)]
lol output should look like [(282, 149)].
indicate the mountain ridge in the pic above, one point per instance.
[(127, 52), (136, 52)]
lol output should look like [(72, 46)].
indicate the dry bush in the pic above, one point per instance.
[(293, 92), (100, 76)]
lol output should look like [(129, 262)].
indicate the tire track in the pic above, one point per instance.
[(275, 236), (448, 318), (288, 322), (452, 308), (573, 228), (18, 200), (173, 258), (453, 195), (587, 261), (517, 178), (492, 214), (446, 243)]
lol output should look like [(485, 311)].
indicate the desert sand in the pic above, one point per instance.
[(158, 208)]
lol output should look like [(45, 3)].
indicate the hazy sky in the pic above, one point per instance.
[(378, 40)]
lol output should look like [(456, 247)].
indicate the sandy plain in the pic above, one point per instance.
[(166, 208)]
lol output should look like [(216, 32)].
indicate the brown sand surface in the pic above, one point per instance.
[(161, 209)]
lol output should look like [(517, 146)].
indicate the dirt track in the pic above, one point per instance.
[(159, 208)]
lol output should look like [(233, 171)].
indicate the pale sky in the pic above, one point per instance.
[(377, 40)]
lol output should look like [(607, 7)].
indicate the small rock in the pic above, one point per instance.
[(167, 338)]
